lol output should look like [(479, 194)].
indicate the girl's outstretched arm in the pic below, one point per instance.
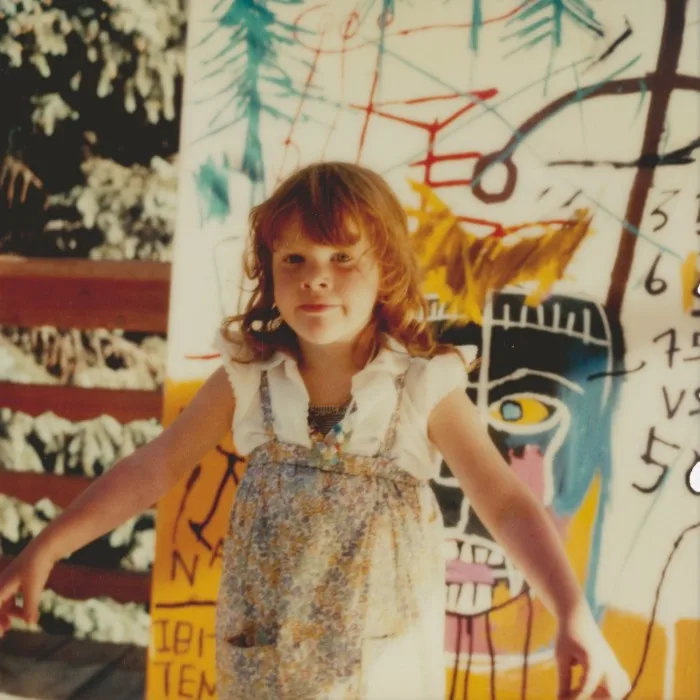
[(128, 488), (520, 523)]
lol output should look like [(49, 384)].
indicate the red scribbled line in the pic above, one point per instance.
[(478, 95), (420, 100), (289, 140), (435, 125), (500, 231), (351, 27), (430, 160), (385, 20), (207, 356), (331, 131), (497, 230), (433, 128), (465, 25), (369, 108)]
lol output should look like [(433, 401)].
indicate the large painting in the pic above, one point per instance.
[(545, 151)]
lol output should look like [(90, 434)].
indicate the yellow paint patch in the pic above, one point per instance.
[(462, 268), (690, 280), (579, 533), (686, 682), (627, 634), (539, 681), (186, 573)]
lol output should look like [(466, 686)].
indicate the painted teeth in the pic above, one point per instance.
[(496, 558), (466, 554), (469, 598), (465, 602), (452, 596), (480, 555), (450, 550), (483, 597), (516, 583), (475, 598)]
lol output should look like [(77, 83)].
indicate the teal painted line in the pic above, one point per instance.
[(451, 88), (548, 74), (643, 92), (632, 229), (477, 24), (578, 96), (529, 10), (528, 30), (211, 182), (580, 110), (557, 18), (529, 45)]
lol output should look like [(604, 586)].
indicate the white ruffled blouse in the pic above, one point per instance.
[(374, 391)]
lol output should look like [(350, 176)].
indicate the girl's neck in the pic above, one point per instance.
[(327, 371)]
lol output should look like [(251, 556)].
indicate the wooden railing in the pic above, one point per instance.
[(81, 294)]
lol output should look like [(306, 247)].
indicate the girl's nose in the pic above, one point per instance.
[(315, 278)]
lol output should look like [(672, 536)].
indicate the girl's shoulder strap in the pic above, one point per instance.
[(390, 437)]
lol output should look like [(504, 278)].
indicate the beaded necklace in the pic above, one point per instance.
[(327, 447)]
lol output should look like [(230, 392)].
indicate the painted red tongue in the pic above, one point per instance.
[(465, 572), (529, 466)]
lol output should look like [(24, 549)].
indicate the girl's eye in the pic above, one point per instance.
[(343, 258), (293, 259)]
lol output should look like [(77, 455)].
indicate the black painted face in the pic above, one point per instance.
[(544, 390)]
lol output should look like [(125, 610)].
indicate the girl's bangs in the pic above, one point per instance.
[(335, 226), (327, 220)]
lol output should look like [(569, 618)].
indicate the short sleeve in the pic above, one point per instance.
[(244, 377), (428, 383), (443, 374)]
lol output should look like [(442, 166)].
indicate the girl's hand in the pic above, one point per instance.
[(27, 575), (580, 642)]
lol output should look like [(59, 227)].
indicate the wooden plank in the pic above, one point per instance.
[(122, 679), (31, 645), (68, 293), (73, 666), (84, 582), (77, 403), (31, 487), (27, 678)]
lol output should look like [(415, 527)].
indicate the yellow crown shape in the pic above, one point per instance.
[(461, 268)]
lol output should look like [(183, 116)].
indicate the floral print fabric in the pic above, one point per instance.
[(319, 559)]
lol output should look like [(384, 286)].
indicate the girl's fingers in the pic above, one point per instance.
[(16, 611), (8, 590), (619, 683), (590, 680), (565, 678), (30, 604)]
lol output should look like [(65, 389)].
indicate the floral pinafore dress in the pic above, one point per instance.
[(322, 564)]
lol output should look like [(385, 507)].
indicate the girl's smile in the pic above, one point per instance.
[(325, 293), (317, 308)]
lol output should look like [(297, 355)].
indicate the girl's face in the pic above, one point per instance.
[(326, 294)]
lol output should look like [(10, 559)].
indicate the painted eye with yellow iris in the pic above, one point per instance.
[(524, 410)]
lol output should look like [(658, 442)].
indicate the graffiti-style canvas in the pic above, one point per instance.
[(546, 154)]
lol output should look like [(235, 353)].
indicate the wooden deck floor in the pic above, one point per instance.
[(47, 667)]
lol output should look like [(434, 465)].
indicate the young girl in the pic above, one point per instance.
[(333, 581)]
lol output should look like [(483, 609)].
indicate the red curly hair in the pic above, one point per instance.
[(323, 199)]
